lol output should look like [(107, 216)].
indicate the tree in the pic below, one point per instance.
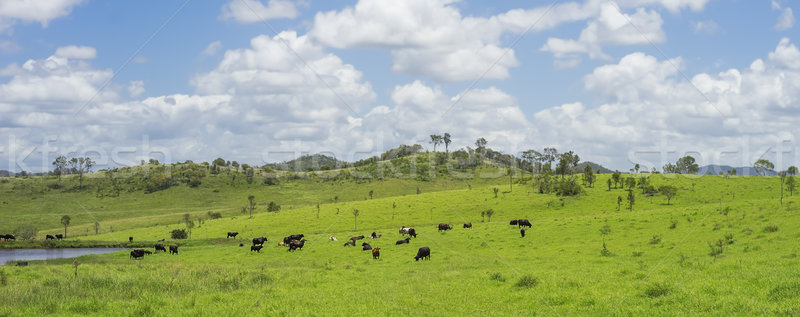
[(588, 175), (251, 204), (81, 165), (609, 184), (489, 213), (762, 166), (668, 191), (619, 202), (446, 139), (670, 168), (317, 210), (435, 140), (791, 184), (782, 175), (636, 168), (510, 173), (566, 161), (187, 220), (630, 182), (370, 193), (218, 162), (65, 221), (631, 200), (96, 227), (480, 143), (355, 217), (495, 191), (550, 154), (687, 165), (617, 177), (792, 170), (394, 206), (60, 167)]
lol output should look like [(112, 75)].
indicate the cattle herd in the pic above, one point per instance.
[(296, 241)]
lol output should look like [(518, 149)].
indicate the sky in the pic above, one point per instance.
[(257, 81)]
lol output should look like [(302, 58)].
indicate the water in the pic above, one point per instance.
[(49, 254)]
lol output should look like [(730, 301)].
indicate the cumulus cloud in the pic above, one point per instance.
[(212, 48), (136, 88), (248, 11), (76, 52), (12, 11)]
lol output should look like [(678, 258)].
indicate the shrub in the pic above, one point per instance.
[(527, 281), (637, 253), (716, 248), (656, 239), (729, 238), (273, 207), (605, 252), (568, 187), (214, 215), (674, 224), (657, 290), (771, 228), (497, 277), (179, 234), (26, 232)]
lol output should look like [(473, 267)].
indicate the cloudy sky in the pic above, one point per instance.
[(619, 82)]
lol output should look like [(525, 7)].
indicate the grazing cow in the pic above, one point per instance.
[(259, 241), (376, 253), (130, 239), (160, 247), (49, 237), (412, 232), (135, 254), (9, 237), (524, 223), (374, 235), (296, 244), (444, 227), (241, 244), (22, 263), (522, 232), (350, 243), (513, 223), (292, 237), (357, 237), (404, 230), (59, 236), (366, 247), (173, 249), (423, 253), (467, 225), (232, 235), (332, 238), (404, 241), (256, 248)]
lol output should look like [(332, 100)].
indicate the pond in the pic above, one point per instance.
[(49, 254)]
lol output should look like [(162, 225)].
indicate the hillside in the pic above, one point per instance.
[(725, 169)]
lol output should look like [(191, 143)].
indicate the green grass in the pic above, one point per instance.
[(557, 269)]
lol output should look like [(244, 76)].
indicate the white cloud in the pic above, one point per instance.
[(248, 11), (76, 52), (12, 11), (706, 27), (786, 20), (212, 48), (136, 88), (786, 54), (611, 27)]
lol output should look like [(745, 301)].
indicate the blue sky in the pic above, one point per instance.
[(610, 80)]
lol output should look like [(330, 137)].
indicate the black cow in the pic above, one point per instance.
[(256, 248), (524, 223), (374, 235), (412, 232), (366, 247), (296, 244), (423, 253), (59, 236), (9, 237), (160, 247), (232, 235), (467, 225), (130, 239), (444, 227), (522, 232), (357, 237), (288, 239), (259, 241), (513, 223), (49, 237), (404, 241), (22, 263), (173, 249), (350, 243), (135, 254)]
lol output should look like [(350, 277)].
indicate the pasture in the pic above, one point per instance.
[(582, 255)]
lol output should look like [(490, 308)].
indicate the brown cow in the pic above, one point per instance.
[(467, 225), (376, 253)]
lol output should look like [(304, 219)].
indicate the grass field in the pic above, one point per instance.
[(657, 259)]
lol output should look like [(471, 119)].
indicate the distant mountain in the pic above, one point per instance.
[(4, 173), (595, 167), (309, 162), (746, 171)]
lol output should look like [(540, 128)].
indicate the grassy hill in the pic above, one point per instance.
[(582, 256)]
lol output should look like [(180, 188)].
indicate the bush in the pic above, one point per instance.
[(657, 290), (273, 207), (26, 232), (674, 224), (179, 234), (214, 215), (527, 281), (656, 239), (568, 187), (771, 228), (497, 277)]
